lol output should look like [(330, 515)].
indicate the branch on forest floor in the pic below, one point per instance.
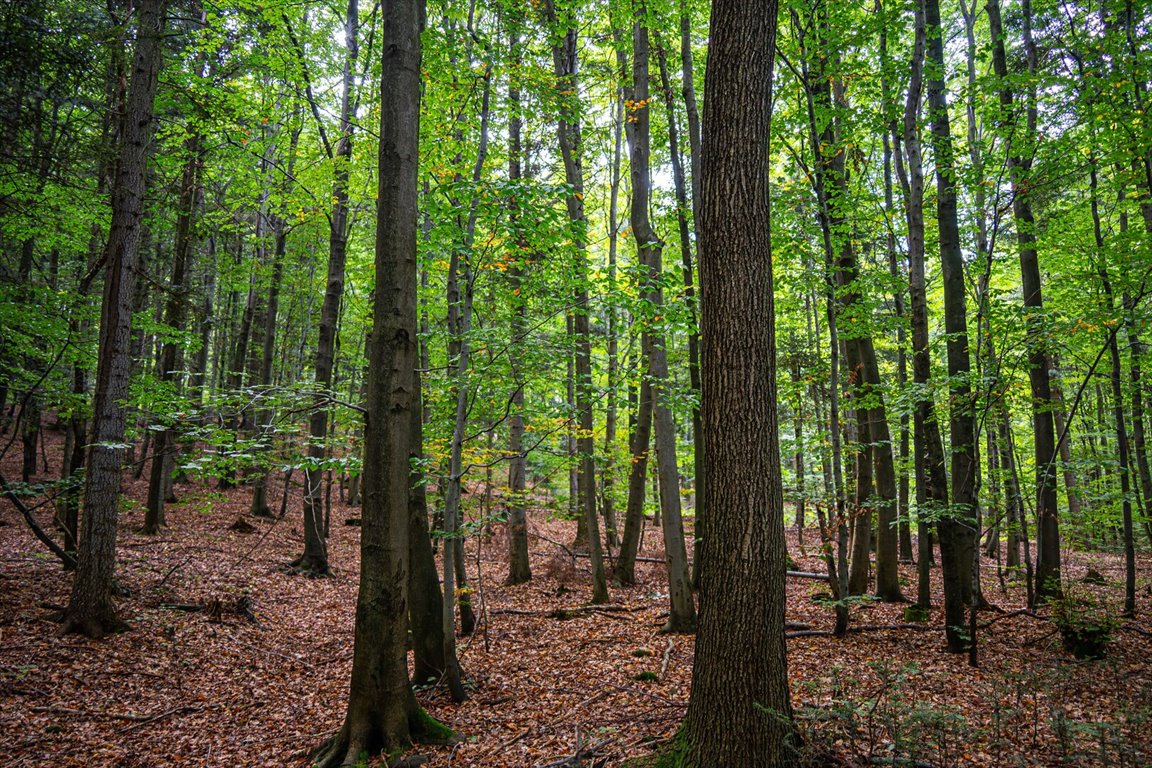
[(860, 628), (65, 557), (667, 657), (564, 614), (1011, 614), (138, 718), (576, 760)]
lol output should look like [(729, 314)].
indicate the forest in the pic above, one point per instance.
[(649, 383)]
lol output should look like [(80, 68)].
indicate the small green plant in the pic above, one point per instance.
[(1085, 622), (646, 677), (915, 614)]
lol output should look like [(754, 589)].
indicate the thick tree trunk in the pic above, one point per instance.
[(90, 610), (739, 715)]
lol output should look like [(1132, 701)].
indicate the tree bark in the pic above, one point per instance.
[(90, 610), (314, 559), (564, 62), (957, 522), (739, 715), (682, 611), (519, 568), (382, 712)]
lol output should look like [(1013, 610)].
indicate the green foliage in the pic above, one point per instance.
[(1086, 623)]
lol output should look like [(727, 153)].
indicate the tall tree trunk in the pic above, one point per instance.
[(1019, 167), (564, 63), (314, 560), (90, 610), (639, 442), (682, 610), (519, 569), (685, 231), (876, 476), (957, 523), (742, 585), (460, 277), (931, 474), (382, 712), (175, 312)]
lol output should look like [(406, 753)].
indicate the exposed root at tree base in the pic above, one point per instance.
[(92, 627)]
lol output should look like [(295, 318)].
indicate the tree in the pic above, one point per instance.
[(1019, 167), (382, 711), (957, 523), (739, 715), (650, 250), (562, 25), (90, 610)]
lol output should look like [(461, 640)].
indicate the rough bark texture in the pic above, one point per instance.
[(382, 712), (90, 610), (739, 713)]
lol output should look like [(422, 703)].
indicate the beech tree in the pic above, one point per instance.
[(382, 711)]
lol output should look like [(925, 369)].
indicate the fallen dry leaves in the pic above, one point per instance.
[(196, 688)]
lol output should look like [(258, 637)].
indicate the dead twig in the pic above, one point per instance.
[(667, 656)]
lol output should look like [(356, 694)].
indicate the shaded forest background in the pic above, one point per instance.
[(961, 219)]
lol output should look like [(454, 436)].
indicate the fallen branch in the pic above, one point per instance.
[(806, 575), (860, 628), (667, 656), (577, 760), (25, 512), (567, 613), (138, 718), (183, 710), (1011, 614)]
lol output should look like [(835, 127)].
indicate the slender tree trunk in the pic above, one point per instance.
[(682, 611), (685, 231), (639, 442), (314, 560), (519, 569), (957, 523), (1019, 167), (931, 475), (175, 312), (564, 62)]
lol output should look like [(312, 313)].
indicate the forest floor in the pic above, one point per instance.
[(216, 688)]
